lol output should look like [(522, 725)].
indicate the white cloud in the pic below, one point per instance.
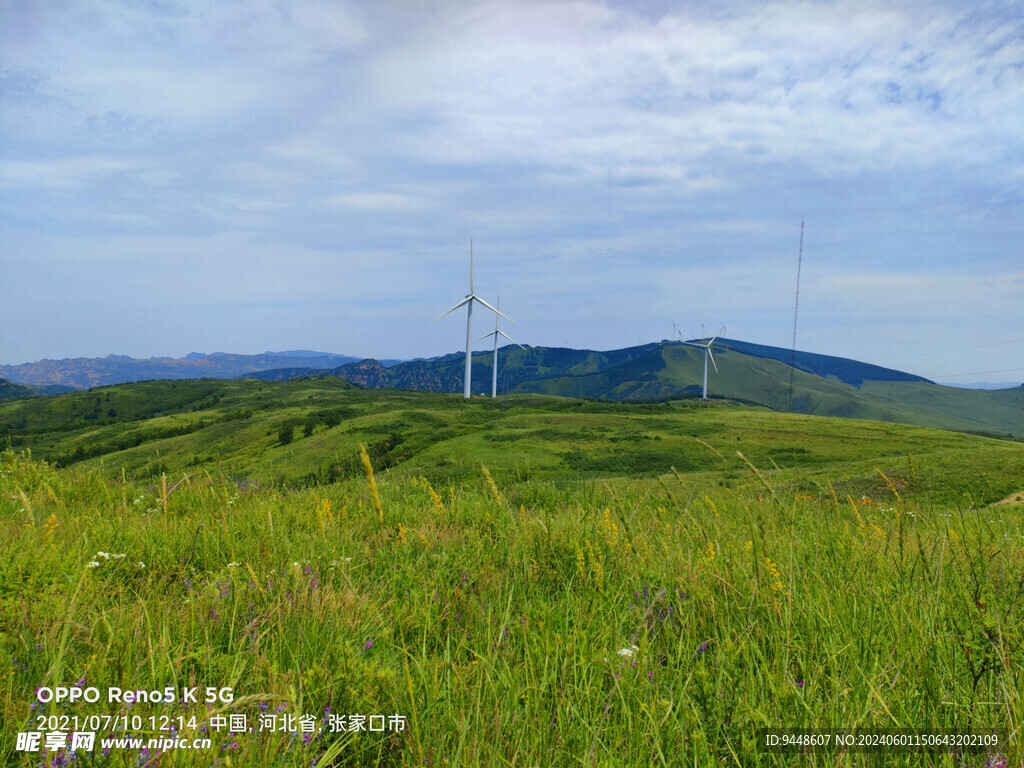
[(839, 87), (66, 172), (379, 201)]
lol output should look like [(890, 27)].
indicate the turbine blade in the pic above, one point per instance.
[(493, 309), (460, 304), (712, 356), (509, 338), (471, 267), (487, 336)]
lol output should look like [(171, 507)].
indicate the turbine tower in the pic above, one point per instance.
[(468, 302), (496, 333), (707, 354)]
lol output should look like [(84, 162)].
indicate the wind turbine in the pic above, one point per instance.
[(495, 333), (707, 354), (468, 302)]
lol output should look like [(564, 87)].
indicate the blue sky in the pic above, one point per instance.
[(244, 176)]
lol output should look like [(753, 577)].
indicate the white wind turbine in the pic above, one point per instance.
[(707, 354), (496, 333), (468, 302)]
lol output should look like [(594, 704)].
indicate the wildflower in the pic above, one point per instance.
[(627, 652), (701, 650), (104, 555), (709, 554), (435, 499), (140, 564), (118, 557), (495, 493), (233, 565), (774, 574), (368, 646), (93, 564)]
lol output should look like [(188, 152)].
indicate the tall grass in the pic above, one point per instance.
[(511, 624)]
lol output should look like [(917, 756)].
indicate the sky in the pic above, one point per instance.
[(262, 175)]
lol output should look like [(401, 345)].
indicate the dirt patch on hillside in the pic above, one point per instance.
[(1014, 499)]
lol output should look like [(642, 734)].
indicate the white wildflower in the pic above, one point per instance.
[(627, 652), (104, 555), (118, 557), (141, 564), (233, 565), (93, 564)]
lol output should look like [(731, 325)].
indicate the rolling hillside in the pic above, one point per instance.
[(308, 431), (11, 391), (677, 369), (823, 385)]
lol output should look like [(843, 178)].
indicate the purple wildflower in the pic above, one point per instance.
[(701, 650)]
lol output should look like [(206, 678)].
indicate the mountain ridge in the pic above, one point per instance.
[(85, 372), (823, 385)]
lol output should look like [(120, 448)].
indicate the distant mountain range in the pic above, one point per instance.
[(821, 384), (83, 372)]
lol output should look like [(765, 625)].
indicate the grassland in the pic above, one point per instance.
[(619, 587), (234, 428)]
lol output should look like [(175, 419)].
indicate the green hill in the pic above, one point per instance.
[(309, 430), (822, 385), (676, 369), (11, 391)]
